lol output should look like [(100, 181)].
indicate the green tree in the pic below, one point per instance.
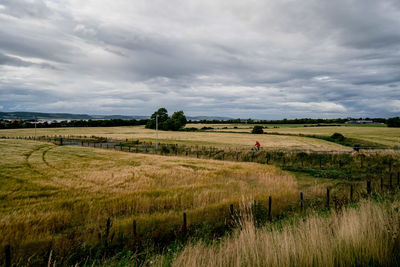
[(176, 122), (393, 122), (162, 118)]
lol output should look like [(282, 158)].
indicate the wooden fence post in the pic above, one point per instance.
[(231, 210), (398, 178), (184, 227), (369, 187), (327, 197), (390, 181), (8, 255), (134, 232), (301, 201), (381, 184), (269, 207), (351, 193)]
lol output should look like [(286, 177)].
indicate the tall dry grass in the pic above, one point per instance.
[(364, 236), (60, 196)]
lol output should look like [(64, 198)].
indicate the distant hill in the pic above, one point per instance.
[(208, 118), (63, 116), (69, 116)]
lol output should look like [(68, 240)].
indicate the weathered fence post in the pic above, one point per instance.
[(134, 233), (184, 226), (301, 201), (269, 207), (8, 255), (327, 197), (369, 187), (351, 193), (134, 229), (381, 184), (231, 211), (398, 178)]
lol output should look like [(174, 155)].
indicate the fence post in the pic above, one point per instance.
[(184, 227), (269, 207), (301, 201), (381, 184), (369, 187), (398, 178), (231, 210), (390, 181), (8, 255), (134, 232), (351, 193), (327, 197)]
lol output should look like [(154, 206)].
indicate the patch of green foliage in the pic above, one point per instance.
[(257, 129), (393, 122), (174, 123)]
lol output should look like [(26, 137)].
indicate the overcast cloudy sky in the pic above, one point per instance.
[(255, 58)]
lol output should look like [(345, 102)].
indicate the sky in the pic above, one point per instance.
[(263, 59)]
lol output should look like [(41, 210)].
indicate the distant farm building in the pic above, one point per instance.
[(360, 122)]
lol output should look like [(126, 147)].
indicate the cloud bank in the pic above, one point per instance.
[(264, 59)]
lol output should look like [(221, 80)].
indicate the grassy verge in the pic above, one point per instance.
[(363, 235)]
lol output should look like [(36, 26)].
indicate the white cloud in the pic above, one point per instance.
[(317, 106), (260, 59)]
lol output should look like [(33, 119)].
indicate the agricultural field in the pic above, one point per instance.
[(373, 133), (61, 196), (78, 202), (215, 139)]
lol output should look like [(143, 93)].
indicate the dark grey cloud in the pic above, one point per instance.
[(260, 59)]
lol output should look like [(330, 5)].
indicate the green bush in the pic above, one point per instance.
[(338, 136), (257, 129)]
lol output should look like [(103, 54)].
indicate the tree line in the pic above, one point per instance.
[(16, 124)]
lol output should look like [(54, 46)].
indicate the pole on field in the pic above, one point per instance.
[(156, 132), (35, 126)]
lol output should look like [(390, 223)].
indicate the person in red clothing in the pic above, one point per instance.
[(257, 145)]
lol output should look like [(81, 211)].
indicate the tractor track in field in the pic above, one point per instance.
[(43, 149), (29, 155)]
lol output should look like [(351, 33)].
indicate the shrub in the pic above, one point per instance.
[(337, 136), (257, 129)]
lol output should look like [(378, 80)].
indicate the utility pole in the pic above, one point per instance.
[(156, 132), (35, 126)]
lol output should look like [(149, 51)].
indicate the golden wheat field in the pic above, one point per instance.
[(216, 139), (381, 135), (62, 194)]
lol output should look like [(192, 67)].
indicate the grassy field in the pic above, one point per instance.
[(60, 196), (373, 133), (348, 238), (189, 138)]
